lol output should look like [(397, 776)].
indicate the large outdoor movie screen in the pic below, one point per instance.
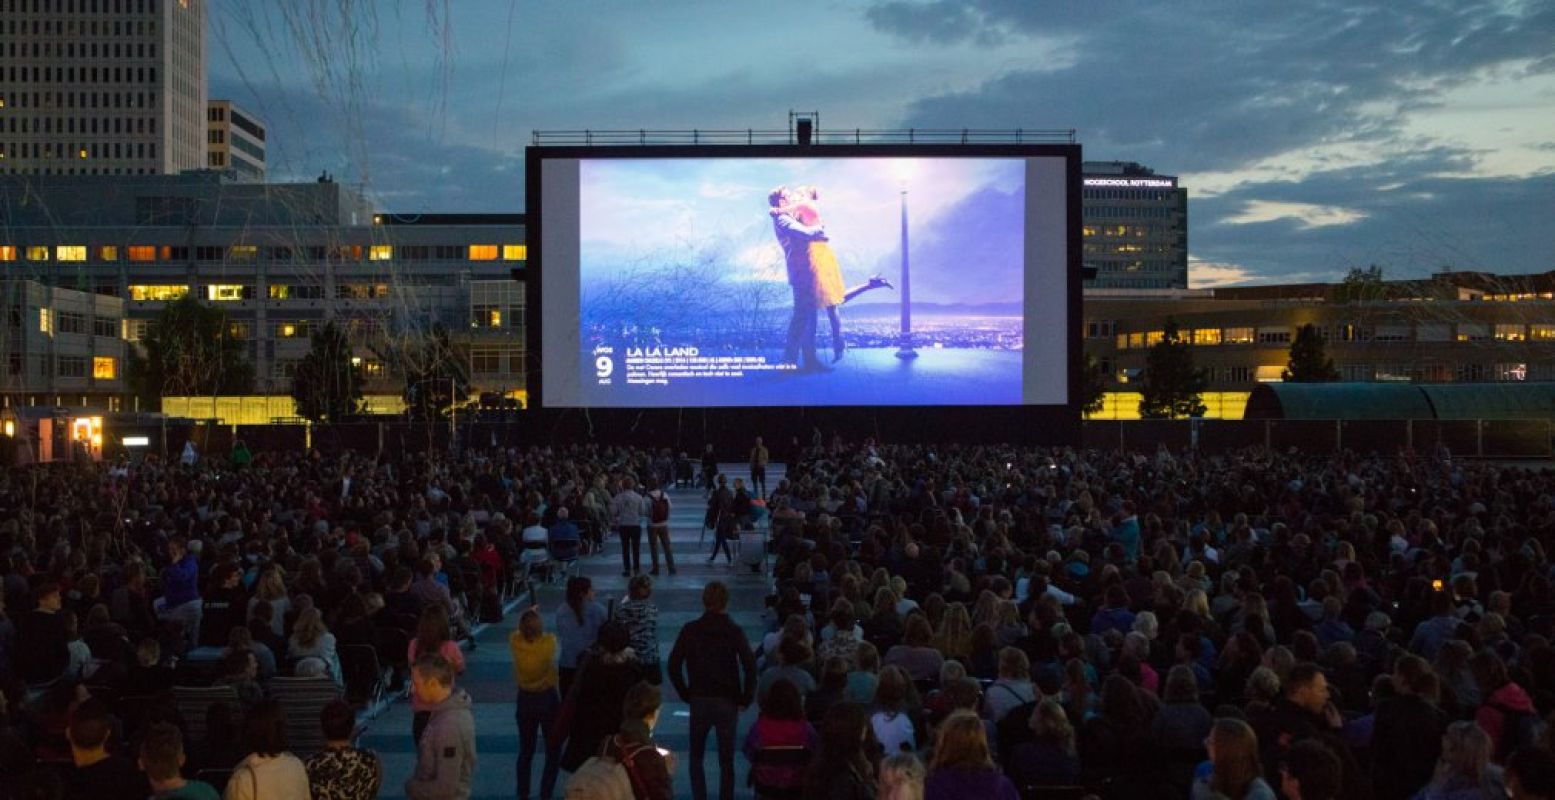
[(826, 281)]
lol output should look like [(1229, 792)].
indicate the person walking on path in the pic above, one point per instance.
[(713, 669), (759, 459)]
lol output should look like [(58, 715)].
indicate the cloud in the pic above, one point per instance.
[(1308, 215), (1209, 275)]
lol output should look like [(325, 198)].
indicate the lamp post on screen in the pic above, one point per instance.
[(904, 344)]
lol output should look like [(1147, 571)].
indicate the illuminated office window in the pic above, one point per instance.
[(242, 252), (37, 253), (1206, 336), (70, 252), (226, 292), (157, 292), (1238, 336), (7, 252), (1541, 333), (483, 252), (515, 252), (105, 368), (380, 252), (45, 324), (108, 253), (1510, 333), (141, 252)]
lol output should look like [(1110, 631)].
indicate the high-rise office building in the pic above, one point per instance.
[(102, 87), (1135, 226), (235, 140)]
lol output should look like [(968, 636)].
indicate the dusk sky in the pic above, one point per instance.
[(1311, 136)]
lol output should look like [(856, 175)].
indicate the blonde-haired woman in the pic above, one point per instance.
[(1236, 773), (901, 777), (1464, 771), (310, 639), (270, 586), (954, 637), (1050, 758), (963, 765), (534, 670)]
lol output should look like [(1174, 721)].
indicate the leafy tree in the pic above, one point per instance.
[(436, 374), (1092, 385), (1171, 386), (1309, 361), (327, 387), (189, 350), (1361, 285)]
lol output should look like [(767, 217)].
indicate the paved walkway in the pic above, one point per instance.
[(488, 676)]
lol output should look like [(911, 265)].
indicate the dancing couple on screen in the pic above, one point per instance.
[(813, 274)]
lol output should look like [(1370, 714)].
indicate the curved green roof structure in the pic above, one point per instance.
[(1402, 401)]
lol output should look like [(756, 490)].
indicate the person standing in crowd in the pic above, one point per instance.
[(651, 766), (713, 669), (641, 618), (432, 636), (709, 470), (604, 676), (1408, 730), (534, 670), (963, 766), (577, 626), (445, 757), (162, 759), (180, 601), (627, 509), (269, 772), (342, 771), (659, 508), (43, 650), (758, 463)]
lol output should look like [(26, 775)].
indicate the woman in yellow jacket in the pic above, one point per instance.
[(534, 670)]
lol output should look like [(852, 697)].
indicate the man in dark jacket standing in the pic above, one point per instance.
[(713, 669)]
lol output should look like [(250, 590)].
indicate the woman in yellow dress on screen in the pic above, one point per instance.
[(830, 292)]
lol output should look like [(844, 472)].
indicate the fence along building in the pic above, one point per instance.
[(280, 260)]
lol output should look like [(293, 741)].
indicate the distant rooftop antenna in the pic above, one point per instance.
[(803, 125)]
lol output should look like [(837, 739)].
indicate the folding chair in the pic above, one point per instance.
[(193, 701), (366, 679), (303, 700)]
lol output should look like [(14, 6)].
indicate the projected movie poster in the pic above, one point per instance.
[(789, 282)]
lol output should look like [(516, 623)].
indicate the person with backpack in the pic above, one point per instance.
[(659, 527), (1507, 713), (630, 765)]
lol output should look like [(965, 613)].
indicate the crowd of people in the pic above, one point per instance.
[(123, 582), (948, 622)]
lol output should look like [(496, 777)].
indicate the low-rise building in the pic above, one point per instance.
[(62, 347), (281, 260), (1454, 327)]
